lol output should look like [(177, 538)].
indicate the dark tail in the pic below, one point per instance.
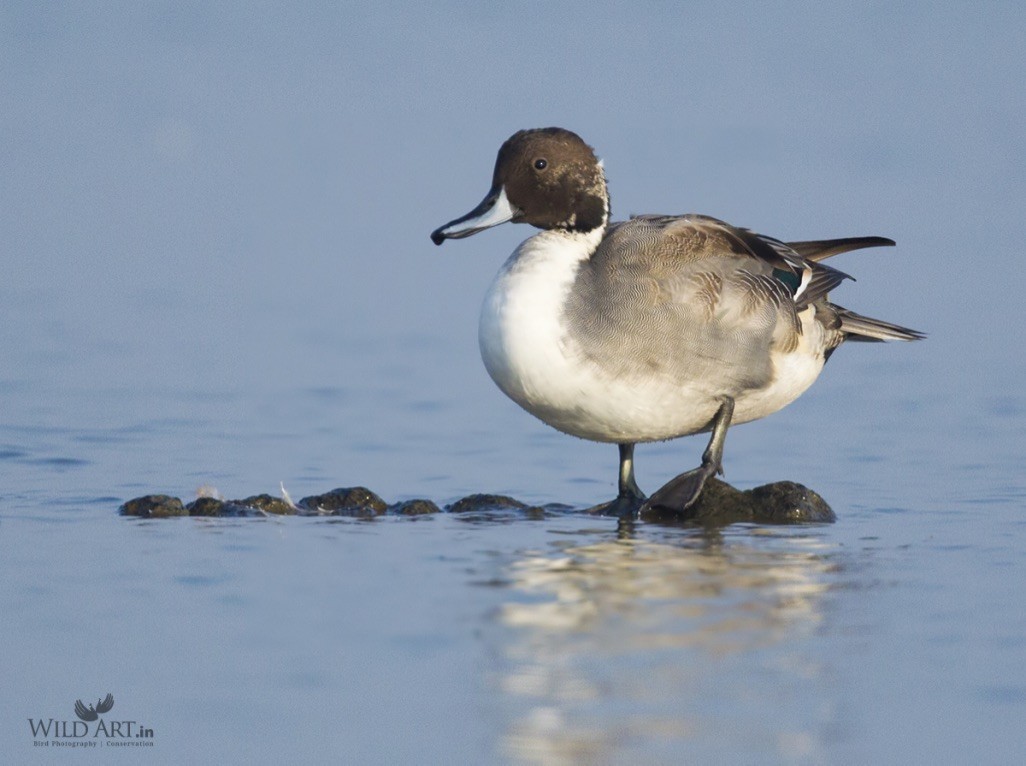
[(855, 326), (820, 249), (858, 327)]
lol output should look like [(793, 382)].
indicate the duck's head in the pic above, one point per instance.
[(547, 177)]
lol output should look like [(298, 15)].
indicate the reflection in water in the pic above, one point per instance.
[(644, 648)]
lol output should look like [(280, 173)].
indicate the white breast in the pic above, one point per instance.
[(523, 341), (527, 352)]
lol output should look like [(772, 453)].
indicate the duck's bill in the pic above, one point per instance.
[(493, 210)]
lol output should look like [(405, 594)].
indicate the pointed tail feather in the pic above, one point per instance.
[(820, 249), (858, 327)]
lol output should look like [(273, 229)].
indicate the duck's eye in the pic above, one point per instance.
[(541, 164)]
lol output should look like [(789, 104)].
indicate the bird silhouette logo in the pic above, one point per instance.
[(93, 712)]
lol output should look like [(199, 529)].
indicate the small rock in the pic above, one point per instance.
[(346, 501), (415, 508), (494, 506), (786, 502), (483, 502), (268, 504), (212, 506), (206, 506), (153, 507)]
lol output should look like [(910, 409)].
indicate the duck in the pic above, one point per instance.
[(652, 328)]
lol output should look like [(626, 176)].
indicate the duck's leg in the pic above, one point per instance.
[(629, 497), (628, 488), (680, 492)]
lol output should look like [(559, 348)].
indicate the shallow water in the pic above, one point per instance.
[(218, 275), (894, 634)]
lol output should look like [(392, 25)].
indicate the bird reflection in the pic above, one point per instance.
[(638, 642)]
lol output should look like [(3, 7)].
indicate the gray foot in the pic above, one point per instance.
[(625, 505), (680, 492)]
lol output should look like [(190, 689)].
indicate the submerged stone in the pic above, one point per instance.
[(153, 507), (414, 508), (206, 506), (346, 501), (490, 505), (268, 504), (214, 507), (485, 502)]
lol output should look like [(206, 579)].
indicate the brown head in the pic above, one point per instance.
[(547, 177)]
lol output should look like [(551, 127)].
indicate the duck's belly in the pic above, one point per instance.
[(578, 399), (530, 356)]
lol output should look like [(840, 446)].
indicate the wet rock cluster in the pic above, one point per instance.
[(782, 502), (358, 502)]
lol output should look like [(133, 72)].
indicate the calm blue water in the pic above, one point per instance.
[(217, 274), (895, 634)]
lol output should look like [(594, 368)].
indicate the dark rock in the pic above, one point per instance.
[(785, 502), (782, 502), (206, 506), (483, 502), (346, 501), (415, 508), (268, 504), (153, 507), (494, 506), (212, 506), (720, 503)]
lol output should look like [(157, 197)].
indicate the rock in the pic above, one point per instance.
[(782, 502), (345, 501), (721, 504), (153, 507), (495, 506), (212, 506), (206, 506), (415, 508), (483, 502), (785, 502), (268, 504)]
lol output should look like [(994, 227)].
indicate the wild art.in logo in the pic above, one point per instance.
[(52, 732), (93, 712)]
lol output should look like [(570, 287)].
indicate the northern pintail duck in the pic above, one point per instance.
[(651, 328)]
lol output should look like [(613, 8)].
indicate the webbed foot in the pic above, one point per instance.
[(680, 492), (624, 505)]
